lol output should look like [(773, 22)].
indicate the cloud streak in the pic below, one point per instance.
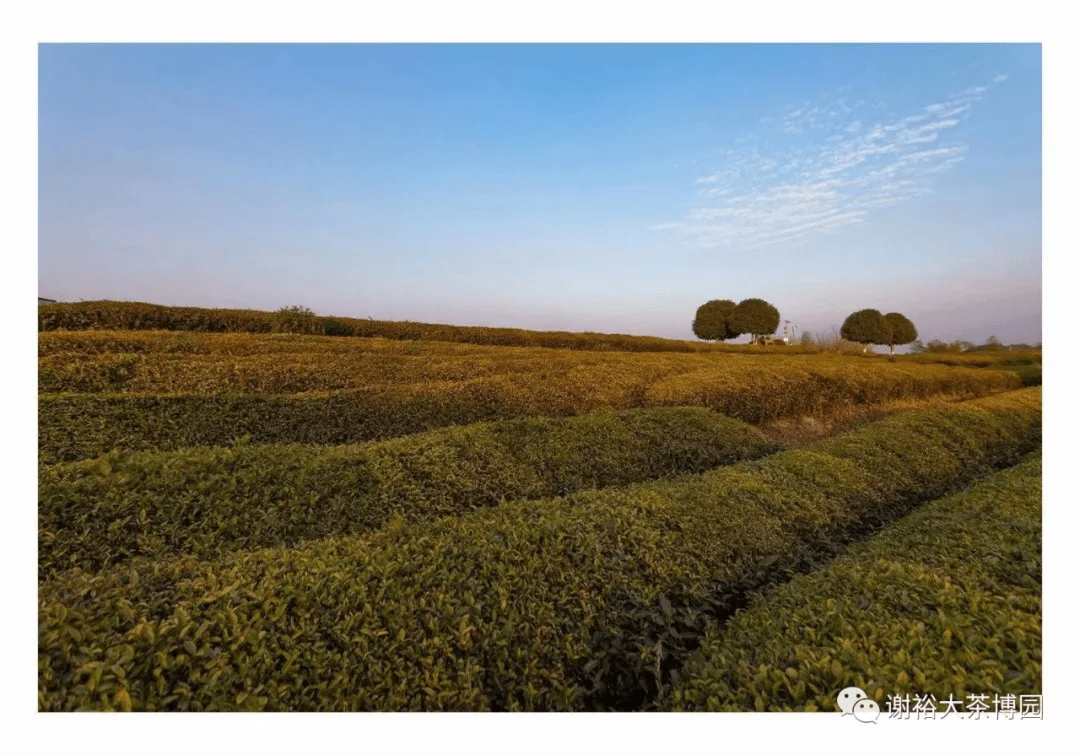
[(842, 171)]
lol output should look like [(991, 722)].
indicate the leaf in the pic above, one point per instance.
[(665, 606)]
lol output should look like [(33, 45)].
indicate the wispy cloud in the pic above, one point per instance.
[(842, 170)]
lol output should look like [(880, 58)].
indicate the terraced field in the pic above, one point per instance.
[(245, 521), (102, 391)]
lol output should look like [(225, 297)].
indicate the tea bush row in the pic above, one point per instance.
[(72, 343), (78, 426), (208, 501), (700, 379), (573, 603), (113, 315), (100, 342), (298, 372), (979, 359), (816, 386), (944, 602)]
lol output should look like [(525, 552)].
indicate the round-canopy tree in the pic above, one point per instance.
[(901, 330), (755, 316), (711, 320), (866, 326)]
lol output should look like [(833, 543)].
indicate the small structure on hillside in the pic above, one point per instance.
[(786, 339)]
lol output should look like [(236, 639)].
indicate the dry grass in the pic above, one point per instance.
[(829, 341)]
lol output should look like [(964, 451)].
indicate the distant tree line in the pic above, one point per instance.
[(992, 344)]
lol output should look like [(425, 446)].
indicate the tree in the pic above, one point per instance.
[(711, 320), (866, 326), (901, 330), (993, 344), (754, 316), (917, 347)]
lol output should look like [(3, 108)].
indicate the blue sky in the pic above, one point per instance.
[(609, 188)]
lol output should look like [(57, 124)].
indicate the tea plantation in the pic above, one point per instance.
[(277, 522)]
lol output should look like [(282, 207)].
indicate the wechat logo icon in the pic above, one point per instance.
[(852, 701), (847, 698), (866, 710)]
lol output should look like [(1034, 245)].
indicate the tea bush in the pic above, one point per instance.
[(80, 426), (588, 601), (944, 602), (208, 501), (113, 315), (185, 396), (296, 319), (772, 385)]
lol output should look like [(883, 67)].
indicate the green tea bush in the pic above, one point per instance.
[(944, 602), (81, 426), (588, 601), (208, 501)]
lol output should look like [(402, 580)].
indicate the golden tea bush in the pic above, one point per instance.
[(73, 343), (945, 602), (809, 385), (667, 379), (1025, 398), (571, 603), (208, 389), (111, 315), (208, 501)]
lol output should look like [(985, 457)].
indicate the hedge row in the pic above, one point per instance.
[(1003, 358), (570, 604), (304, 371), (72, 343), (816, 385), (234, 344), (208, 501), (702, 379), (945, 602), (79, 426), (113, 315), (1029, 374)]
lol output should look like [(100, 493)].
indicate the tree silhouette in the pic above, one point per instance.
[(711, 320), (866, 326), (754, 316), (901, 330)]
